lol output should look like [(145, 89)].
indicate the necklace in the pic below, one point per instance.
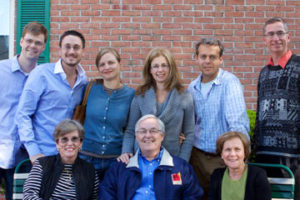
[(67, 173)]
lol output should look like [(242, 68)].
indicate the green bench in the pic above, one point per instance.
[(20, 175), (281, 188)]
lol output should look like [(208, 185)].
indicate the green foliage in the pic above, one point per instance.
[(252, 118)]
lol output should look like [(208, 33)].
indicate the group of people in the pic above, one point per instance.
[(137, 144)]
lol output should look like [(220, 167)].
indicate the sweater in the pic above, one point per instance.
[(177, 116), (277, 128)]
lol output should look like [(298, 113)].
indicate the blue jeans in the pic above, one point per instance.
[(101, 165), (8, 175)]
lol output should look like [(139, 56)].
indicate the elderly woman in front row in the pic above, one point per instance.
[(238, 180), (63, 176)]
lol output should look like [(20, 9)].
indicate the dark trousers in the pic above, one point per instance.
[(292, 163), (204, 164), (8, 176)]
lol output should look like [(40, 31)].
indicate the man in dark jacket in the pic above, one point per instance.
[(152, 173)]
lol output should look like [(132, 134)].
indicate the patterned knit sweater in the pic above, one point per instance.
[(277, 128)]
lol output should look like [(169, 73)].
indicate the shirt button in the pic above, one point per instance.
[(106, 108), (146, 191), (149, 186), (103, 145), (102, 152), (150, 173), (103, 137), (104, 118), (103, 127)]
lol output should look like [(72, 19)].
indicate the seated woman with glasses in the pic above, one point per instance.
[(238, 180), (63, 176), (163, 95)]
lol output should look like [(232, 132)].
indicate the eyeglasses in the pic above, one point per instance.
[(65, 140), (152, 131), (279, 34), (36, 43), (164, 66), (211, 57)]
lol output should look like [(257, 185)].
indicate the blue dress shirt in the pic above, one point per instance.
[(11, 86), (47, 99), (146, 191), (221, 111)]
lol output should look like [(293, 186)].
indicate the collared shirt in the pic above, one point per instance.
[(283, 60), (146, 191), (223, 110), (12, 82), (47, 99)]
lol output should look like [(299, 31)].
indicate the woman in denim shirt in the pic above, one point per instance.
[(106, 113)]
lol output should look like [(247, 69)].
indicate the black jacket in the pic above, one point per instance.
[(257, 185), (83, 173)]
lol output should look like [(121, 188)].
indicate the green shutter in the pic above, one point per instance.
[(33, 10)]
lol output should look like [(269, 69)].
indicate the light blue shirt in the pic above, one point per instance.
[(146, 191), (11, 86), (47, 99), (221, 111)]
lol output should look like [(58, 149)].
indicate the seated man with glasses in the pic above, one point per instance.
[(277, 128), (152, 173)]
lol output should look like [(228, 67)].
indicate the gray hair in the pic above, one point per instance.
[(274, 20), (161, 125), (66, 126), (210, 42)]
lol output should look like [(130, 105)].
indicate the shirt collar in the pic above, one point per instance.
[(58, 69), (216, 81), (166, 159), (282, 61), (16, 65)]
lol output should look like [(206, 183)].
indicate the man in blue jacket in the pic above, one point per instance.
[(152, 173)]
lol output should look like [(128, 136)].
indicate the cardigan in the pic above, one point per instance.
[(257, 185), (177, 116)]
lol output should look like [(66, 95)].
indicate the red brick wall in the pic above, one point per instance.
[(136, 26)]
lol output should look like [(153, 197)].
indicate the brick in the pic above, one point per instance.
[(141, 7), (90, 13), (80, 19), (121, 19), (131, 13), (234, 14), (162, 7), (70, 13), (111, 13), (77, 7), (120, 7), (151, 25), (172, 13), (121, 32)]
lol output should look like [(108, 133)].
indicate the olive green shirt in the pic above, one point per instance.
[(234, 189)]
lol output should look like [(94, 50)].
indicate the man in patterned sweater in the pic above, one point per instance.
[(277, 128)]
